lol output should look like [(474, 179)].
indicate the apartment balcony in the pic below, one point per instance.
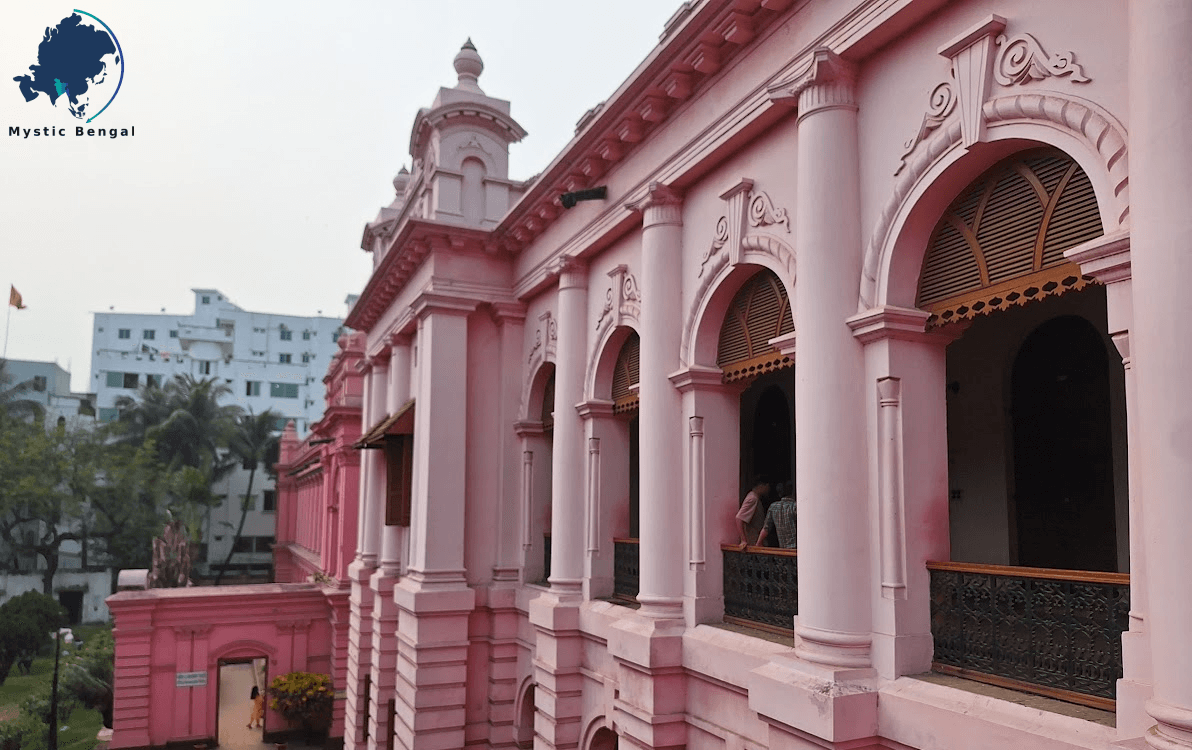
[(221, 336)]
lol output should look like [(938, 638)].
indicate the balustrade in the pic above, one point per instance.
[(1052, 632), (761, 587), (625, 569)]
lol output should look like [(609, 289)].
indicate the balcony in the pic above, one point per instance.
[(626, 571), (761, 587), (1052, 632)]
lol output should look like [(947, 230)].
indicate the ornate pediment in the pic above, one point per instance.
[(980, 57), (622, 301), (747, 209)]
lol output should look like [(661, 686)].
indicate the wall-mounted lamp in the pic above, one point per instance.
[(591, 194)]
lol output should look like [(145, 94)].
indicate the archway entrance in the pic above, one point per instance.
[(1063, 455), (1036, 438), (624, 392), (237, 680)]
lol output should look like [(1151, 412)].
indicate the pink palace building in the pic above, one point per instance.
[(882, 249)]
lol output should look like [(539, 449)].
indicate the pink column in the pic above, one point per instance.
[(1161, 227), (834, 587), (511, 319), (398, 394), (567, 477), (375, 461), (360, 621), (662, 444), (433, 598)]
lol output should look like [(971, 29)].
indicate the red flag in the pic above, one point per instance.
[(14, 298)]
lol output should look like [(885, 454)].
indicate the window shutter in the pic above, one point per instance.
[(1002, 241), (399, 465), (625, 376), (759, 312)]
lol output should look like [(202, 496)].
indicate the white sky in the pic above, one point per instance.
[(267, 134)]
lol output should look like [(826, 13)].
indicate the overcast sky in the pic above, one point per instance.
[(267, 134)]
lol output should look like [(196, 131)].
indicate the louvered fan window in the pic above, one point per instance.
[(1002, 242), (759, 312), (625, 376), (548, 404)]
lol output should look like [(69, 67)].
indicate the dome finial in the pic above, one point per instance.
[(469, 66)]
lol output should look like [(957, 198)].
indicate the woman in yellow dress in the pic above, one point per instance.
[(258, 708)]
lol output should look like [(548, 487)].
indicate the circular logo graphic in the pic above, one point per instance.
[(76, 61)]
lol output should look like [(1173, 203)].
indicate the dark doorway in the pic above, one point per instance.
[(73, 602), (1063, 459), (634, 473), (772, 436)]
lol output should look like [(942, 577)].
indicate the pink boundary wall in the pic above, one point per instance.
[(295, 624)]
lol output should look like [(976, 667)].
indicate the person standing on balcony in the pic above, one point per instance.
[(749, 520), (781, 519)]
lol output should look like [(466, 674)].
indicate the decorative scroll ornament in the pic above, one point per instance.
[(762, 213), (1021, 59), (746, 209), (718, 241), (550, 338), (622, 300), (940, 104)]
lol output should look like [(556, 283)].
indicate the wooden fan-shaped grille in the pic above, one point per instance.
[(759, 312), (1002, 242), (625, 376), (548, 403)]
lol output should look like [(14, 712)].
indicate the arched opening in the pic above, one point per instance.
[(603, 739), (472, 195), (536, 431), (525, 720), (1063, 454), (242, 683), (622, 453), (760, 587), (1036, 435)]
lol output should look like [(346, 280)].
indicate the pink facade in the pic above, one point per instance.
[(883, 251)]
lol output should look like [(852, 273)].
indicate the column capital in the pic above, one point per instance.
[(508, 312), (594, 408), (661, 204), (906, 324), (528, 428), (827, 84), (572, 272), (432, 303), (1105, 258), (697, 377)]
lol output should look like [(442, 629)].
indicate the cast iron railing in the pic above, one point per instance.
[(761, 586), (625, 569), (1054, 632)]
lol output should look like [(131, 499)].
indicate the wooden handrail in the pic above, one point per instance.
[(625, 541), (1055, 574), (754, 550)]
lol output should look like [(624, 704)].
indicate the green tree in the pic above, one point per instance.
[(251, 441), (26, 622), (186, 420), (38, 512)]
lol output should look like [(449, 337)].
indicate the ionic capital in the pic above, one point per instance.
[(829, 83), (660, 205)]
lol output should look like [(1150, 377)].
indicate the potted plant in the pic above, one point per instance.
[(305, 698)]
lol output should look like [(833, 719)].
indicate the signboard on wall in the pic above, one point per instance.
[(190, 679)]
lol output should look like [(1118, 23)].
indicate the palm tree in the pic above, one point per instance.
[(186, 420), (254, 436)]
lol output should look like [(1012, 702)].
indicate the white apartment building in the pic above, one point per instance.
[(269, 361)]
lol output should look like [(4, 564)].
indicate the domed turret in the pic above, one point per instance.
[(469, 66)]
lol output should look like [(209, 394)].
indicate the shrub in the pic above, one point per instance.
[(38, 705), (26, 622), (304, 697), (23, 733), (88, 674)]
